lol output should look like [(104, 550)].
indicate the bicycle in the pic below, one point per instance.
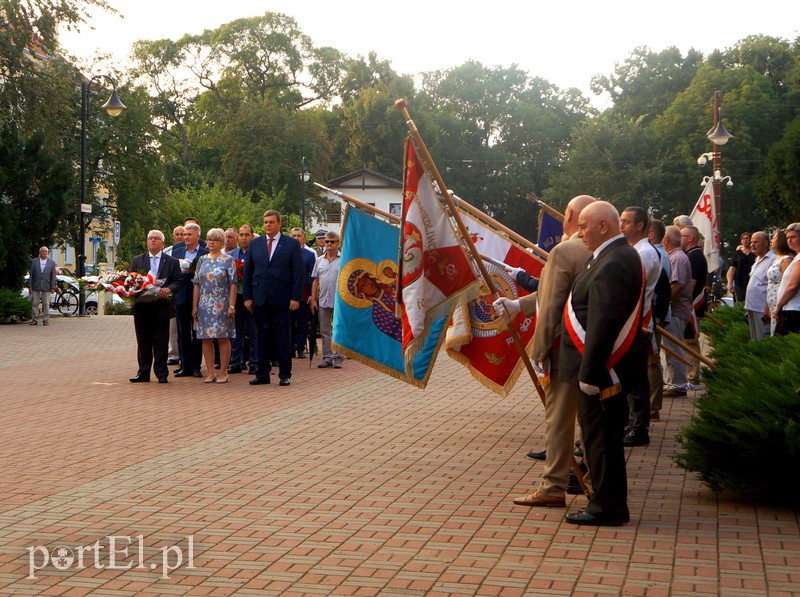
[(66, 301)]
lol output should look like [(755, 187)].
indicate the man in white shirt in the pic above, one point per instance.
[(755, 303), (323, 291), (634, 223)]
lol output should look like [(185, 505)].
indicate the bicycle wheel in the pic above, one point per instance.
[(68, 303)]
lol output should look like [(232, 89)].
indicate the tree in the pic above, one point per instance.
[(33, 191), (780, 197), (647, 82)]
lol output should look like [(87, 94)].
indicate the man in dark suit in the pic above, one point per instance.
[(274, 273), (190, 348), (151, 316), (602, 320)]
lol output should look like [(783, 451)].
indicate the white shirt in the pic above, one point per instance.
[(599, 249), (793, 304), (651, 260), (274, 244), (155, 260), (756, 296)]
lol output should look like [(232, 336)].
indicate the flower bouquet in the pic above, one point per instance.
[(239, 265), (130, 284)]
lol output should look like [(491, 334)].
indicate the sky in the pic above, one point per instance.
[(564, 42)]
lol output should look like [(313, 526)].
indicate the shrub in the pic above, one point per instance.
[(745, 433), (13, 307)]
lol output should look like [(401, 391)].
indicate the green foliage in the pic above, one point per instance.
[(745, 434), (33, 186), (781, 185), (13, 306), (214, 207)]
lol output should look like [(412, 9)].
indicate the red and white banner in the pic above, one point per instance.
[(434, 270), (705, 218), (476, 338)]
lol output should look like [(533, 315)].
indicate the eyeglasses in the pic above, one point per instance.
[(214, 240), (153, 238), (330, 242)]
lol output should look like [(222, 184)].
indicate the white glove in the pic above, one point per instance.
[(588, 389), (514, 271), (504, 306)]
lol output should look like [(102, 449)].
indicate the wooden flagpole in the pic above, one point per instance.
[(686, 347), (473, 211), (401, 105), (366, 206)]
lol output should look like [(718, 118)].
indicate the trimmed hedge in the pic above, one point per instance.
[(745, 434), (13, 307)]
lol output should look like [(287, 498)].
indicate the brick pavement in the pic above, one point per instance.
[(347, 482)]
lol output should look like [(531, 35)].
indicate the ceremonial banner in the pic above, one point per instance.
[(476, 338), (704, 217), (551, 227), (365, 324), (434, 270)]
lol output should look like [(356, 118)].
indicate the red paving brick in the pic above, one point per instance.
[(347, 483)]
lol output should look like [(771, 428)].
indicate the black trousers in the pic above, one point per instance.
[(274, 341), (152, 342), (190, 348), (602, 425)]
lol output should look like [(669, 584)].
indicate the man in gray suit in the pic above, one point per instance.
[(42, 282)]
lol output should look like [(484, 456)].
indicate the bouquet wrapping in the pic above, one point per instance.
[(130, 284)]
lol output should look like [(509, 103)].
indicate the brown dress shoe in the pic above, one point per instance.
[(537, 498)]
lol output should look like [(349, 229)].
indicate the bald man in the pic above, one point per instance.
[(602, 321), (565, 261)]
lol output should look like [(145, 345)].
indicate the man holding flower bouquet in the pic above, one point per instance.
[(153, 310)]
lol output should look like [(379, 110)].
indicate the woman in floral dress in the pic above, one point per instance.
[(215, 304)]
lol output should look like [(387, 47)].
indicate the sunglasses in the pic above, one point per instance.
[(330, 242)]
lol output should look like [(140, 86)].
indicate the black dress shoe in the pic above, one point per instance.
[(284, 382), (197, 373), (252, 371), (259, 381), (583, 517), (139, 379), (173, 361), (234, 369), (182, 373), (163, 380), (538, 455)]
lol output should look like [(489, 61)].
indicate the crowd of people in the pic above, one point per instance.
[(618, 306), (240, 302)]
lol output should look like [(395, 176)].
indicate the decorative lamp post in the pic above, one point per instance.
[(304, 178), (719, 136), (114, 107)]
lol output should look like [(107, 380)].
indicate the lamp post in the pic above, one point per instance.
[(304, 177), (719, 136), (114, 107)]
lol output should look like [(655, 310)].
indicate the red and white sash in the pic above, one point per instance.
[(621, 344)]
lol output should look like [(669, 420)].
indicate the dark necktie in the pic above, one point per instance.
[(269, 248)]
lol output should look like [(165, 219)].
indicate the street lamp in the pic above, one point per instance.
[(114, 107), (304, 178), (719, 136)]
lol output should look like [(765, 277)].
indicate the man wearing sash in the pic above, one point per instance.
[(565, 261), (602, 320)]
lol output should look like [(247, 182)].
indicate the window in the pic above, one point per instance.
[(396, 209)]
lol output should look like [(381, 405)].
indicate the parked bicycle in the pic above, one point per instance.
[(66, 301)]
